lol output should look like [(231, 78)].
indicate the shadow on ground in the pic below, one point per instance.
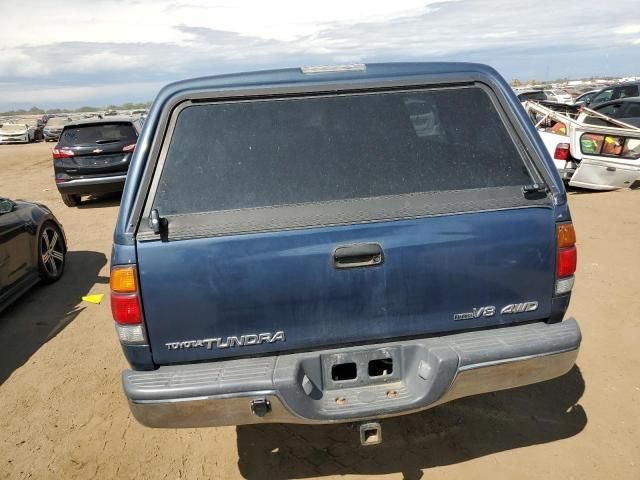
[(451, 433), (583, 191), (46, 310), (102, 200)]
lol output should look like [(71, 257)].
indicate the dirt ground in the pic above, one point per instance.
[(63, 414)]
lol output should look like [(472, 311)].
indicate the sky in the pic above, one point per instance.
[(70, 53)]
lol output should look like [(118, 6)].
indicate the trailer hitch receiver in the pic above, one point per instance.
[(370, 434)]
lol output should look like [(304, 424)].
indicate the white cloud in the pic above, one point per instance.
[(15, 62), (138, 21), (511, 33), (628, 29), (90, 46)]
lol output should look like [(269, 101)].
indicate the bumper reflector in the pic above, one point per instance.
[(130, 334), (564, 285)]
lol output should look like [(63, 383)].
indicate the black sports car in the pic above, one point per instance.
[(32, 248)]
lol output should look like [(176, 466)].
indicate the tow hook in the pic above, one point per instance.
[(260, 407), (370, 434)]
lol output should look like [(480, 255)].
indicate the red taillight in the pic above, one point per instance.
[(567, 257), (562, 152), (62, 153), (126, 309), (567, 261), (125, 305), (129, 148)]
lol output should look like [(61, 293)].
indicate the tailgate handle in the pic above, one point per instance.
[(362, 255)]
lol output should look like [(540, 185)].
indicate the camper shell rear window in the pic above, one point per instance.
[(231, 155)]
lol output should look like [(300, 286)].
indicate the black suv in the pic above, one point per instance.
[(616, 92), (93, 155)]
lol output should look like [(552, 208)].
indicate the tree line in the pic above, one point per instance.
[(40, 111)]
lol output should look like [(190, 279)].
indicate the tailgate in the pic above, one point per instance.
[(93, 163), (226, 291), (604, 174), (309, 222), (609, 157)]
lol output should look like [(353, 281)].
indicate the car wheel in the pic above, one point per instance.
[(51, 253), (70, 200)]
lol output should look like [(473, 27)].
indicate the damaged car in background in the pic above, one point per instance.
[(602, 156), (626, 110)]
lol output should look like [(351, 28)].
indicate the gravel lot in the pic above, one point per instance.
[(63, 414)]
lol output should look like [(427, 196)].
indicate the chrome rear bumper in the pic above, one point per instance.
[(93, 184), (294, 388)]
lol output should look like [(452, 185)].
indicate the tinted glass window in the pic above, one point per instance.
[(626, 91), (603, 96), (585, 98), (280, 152), (609, 109), (632, 110), (532, 96), (104, 133)]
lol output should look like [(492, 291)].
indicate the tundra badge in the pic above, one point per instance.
[(219, 342)]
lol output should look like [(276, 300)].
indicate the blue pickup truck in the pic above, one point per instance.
[(337, 244)]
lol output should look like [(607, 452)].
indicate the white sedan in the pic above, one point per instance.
[(557, 95), (16, 133)]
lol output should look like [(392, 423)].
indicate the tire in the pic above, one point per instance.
[(70, 200), (51, 252)]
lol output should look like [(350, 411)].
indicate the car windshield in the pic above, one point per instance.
[(57, 122), (13, 127), (103, 133), (603, 96), (32, 122)]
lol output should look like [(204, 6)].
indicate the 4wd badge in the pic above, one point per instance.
[(490, 310), (519, 308)]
